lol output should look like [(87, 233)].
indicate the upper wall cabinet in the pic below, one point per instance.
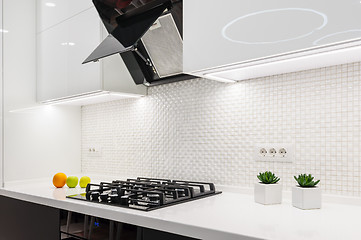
[(1, 80), (245, 33), (53, 12), (60, 73), (61, 50)]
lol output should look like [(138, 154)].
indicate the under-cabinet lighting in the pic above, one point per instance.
[(293, 63), (50, 4), (27, 109), (219, 79), (67, 44), (92, 97), (128, 95)]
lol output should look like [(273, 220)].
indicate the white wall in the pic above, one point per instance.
[(206, 130), (38, 140)]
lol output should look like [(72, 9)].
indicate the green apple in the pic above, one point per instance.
[(72, 181), (84, 181)]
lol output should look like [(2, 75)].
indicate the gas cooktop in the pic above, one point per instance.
[(146, 193)]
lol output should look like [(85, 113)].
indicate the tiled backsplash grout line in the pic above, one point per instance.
[(205, 130)]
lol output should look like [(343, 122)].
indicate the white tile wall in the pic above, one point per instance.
[(205, 130)]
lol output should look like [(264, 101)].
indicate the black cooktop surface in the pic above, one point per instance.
[(146, 193)]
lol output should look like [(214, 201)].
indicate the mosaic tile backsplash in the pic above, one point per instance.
[(206, 130)]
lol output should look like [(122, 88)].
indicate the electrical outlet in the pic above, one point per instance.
[(282, 152), (263, 152), (273, 152), (95, 151)]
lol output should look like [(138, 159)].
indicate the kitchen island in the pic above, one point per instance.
[(227, 216)]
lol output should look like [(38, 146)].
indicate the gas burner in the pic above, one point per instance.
[(146, 193)]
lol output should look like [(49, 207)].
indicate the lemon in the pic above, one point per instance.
[(84, 181)]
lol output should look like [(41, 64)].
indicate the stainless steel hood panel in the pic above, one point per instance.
[(165, 46)]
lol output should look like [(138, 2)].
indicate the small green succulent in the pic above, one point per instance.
[(306, 181), (268, 178)]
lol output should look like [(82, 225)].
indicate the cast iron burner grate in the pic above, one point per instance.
[(146, 193)]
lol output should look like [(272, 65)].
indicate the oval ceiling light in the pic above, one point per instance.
[(317, 42), (4, 31), (228, 25)]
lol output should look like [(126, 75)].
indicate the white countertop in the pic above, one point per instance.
[(226, 216)]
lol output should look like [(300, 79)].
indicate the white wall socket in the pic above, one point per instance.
[(94, 151), (273, 152)]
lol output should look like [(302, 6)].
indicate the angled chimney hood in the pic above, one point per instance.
[(148, 36)]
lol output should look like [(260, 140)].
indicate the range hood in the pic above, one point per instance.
[(148, 36)]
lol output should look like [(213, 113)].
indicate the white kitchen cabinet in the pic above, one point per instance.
[(61, 51), (245, 31), (1, 90), (53, 12)]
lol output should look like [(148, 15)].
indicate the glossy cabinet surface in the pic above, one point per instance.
[(52, 12), (61, 51), (218, 33), (1, 90)]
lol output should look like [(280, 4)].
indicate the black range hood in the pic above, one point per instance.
[(148, 36)]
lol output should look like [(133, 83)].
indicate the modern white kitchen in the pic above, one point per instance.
[(238, 119)]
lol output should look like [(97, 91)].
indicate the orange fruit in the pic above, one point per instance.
[(59, 180)]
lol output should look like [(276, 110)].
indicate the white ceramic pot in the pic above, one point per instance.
[(268, 193), (306, 198)]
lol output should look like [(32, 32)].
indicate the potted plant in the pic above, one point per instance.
[(306, 195), (268, 191)]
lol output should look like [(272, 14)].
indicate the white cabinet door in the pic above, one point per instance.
[(1, 90), (53, 12), (218, 33), (52, 74), (61, 51), (84, 37)]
